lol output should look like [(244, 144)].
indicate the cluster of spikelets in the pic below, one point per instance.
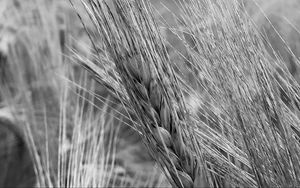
[(150, 85), (246, 130)]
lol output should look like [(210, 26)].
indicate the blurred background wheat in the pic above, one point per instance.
[(149, 93)]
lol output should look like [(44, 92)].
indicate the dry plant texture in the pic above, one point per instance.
[(149, 93)]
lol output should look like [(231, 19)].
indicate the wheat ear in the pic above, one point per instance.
[(142, 63)]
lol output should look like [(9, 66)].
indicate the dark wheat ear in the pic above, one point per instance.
[(17, 168)]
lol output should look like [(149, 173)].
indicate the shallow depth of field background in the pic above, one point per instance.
[(39, 75)]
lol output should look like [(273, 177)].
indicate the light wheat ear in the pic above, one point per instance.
[(143, 65)]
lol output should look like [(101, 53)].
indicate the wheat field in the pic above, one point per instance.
[(149, 93)]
